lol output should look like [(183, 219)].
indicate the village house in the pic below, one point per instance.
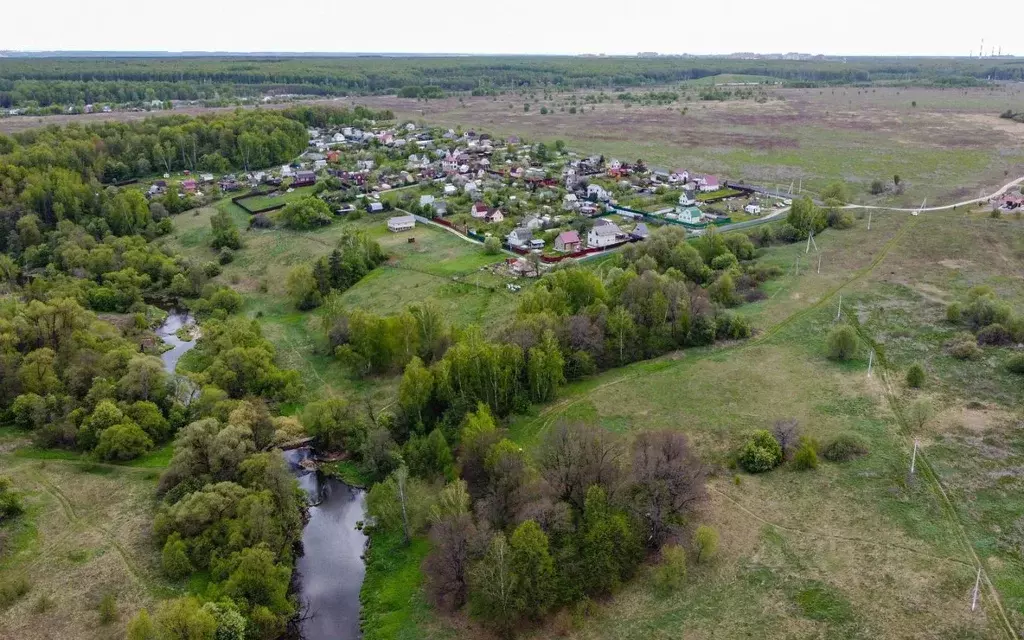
[(567, 242), (603, 234), (440, 208), (479, 210), (570, 202), (426, 199), (304, 178), (494, 216), (520, 238), (401, 223), (450, 189), (687, 198), (597, 192), (689, 215), (188, 186), (753, 209), (375, 207), (709, 183), (640, 232)]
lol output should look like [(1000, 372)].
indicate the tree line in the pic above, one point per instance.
[(70, 81)]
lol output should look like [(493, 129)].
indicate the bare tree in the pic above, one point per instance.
[(667, 481), (787, 432), (576, 456), (447, 565)]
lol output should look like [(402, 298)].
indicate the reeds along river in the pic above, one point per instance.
[(330, 571)]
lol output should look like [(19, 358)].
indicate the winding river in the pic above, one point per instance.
[(331, 569)]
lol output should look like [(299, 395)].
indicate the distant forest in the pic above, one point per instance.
[(43, 82)]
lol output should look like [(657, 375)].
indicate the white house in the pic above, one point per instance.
[(709, 183), (597, 192), (687, 198), (520, 238), (533, 223), (753, 209), (604, 234), (570, 202), (401, 223), (450, 189), (410, 126), (365, 165), (426, 199), (690, 215)]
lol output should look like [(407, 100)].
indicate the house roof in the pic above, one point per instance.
[(567, 237), (522, 233), (641, 231), (606, 229), (710, 179), (402, 220)]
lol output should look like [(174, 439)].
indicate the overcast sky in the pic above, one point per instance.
[(869, 27)]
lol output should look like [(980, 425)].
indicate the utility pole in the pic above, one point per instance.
[(913, 458), (977, 584), (819, 263), (871, 359), (808, 249), (840, 312), (870, 211)]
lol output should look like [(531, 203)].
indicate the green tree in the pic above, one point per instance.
[(493, 597), (915, 376), (415, 390), (670, 574), (805, 217), (532, 568), (306, 213), (10, 501), (333, 424), (142, 627), (122, 442), (545, 369), (429, 456), (174, 558), (836, 193), (492, 246), (185, 619), (302, 288), (705, 541), (806, 456), (608, 546), (225, 233), (842, 342)]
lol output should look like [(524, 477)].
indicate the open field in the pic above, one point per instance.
[(438, 266), (852, 550), (86, 533), (944, 144)]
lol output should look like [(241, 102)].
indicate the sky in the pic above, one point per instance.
[(868, 27)]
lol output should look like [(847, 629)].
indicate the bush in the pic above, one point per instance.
[(13, 589), (955, 313), (845, 446), (492, 246), (964, 347), (705, 541), (123, 442), (994, 335), (225, 256), (1016, 364), (671, 573), (261, 221), (174, 558), (10, 502), (806, 456), (211, 269), (842, 342), (761, 453), (877, 187), (915, 376), (108, 609)]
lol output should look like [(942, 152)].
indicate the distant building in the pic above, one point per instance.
[(401, 223), (604, 234), (520, 238)]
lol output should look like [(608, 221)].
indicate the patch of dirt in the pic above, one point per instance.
[(955, 264), (976, 421)]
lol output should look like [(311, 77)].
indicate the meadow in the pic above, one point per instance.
[(437, 266), (861, 549)]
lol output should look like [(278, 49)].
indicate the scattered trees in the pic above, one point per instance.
[(306, 213), (842, 342)]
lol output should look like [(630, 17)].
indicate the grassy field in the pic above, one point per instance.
[(85, 534), (944, 144), (438, 266), (854, 550), (256, 203)]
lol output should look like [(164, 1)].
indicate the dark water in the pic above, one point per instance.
[(175, 320), (331, 568)]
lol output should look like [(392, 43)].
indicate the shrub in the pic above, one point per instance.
[(761, 453), (705, 541), (806, 456), (211, 269), (492, 246), (10, 502), (43, 604), (845, 446), (671, 573), (842, 342), (919, 413), (225, 256), (963, 347), (915, 376), (123, 442), (1016, 364), (108, 609), (12, 589), (260, 221), (955, 313), (877, 187), (995, 334)]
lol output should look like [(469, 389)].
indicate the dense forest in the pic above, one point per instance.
[(68, 81)]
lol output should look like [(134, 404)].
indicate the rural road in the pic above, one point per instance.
[(1006, 187)]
